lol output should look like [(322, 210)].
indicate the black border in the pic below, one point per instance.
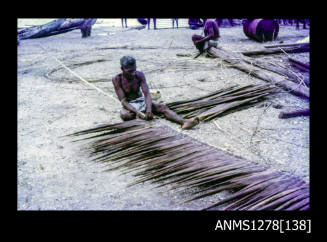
[(165, 222)]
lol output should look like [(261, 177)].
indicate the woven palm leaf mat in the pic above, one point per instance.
[(157, 153)]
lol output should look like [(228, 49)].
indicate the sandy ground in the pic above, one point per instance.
[(56, 174)]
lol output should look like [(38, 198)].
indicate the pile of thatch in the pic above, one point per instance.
[(223, 101), (160, 155)]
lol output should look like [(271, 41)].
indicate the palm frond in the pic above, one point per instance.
[(157, 154), (222, 101)]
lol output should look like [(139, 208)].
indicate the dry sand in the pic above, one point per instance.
[(56, 174)]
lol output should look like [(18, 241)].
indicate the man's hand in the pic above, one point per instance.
[(196, 42), (148, 115)]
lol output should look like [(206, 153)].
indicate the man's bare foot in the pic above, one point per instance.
[(191, 123)]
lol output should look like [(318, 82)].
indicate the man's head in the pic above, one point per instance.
[(128, 66)]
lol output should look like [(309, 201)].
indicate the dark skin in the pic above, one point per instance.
[(128, 86), (122, 22), (208, 37), (154, 23)]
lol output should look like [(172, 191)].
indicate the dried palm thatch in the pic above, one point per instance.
[(161, 155), (222, 101)]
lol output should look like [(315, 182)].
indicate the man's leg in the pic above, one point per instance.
[(148, 23), (159, 108), (127, 115), (199, 46), (304, 24), (155, 23), (210, 43)]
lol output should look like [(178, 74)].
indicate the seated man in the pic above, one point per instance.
[(211, 36), (128, 86)]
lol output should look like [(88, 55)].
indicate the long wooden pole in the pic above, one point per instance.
[(295, 113), (54, 27), (277, 69), (81, 78), (93, 86), (300, 65), (238, 62), (288, 45), (278, 50)]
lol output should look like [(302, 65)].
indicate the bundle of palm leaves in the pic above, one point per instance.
[(222, 101), (160, 155)]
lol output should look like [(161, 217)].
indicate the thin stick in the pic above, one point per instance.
[(284, 52), (78, 76), (301, 80), (98, 89), (170, 43), (198, 55), (230, 135), (217, 125)]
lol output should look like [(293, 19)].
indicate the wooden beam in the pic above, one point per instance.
[(288, 45), (278, 50), (300, 65), (37, 31), (54, 27), (295, 113), (284, 71), (238, 62)]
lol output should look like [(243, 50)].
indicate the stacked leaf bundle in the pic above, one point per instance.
[(160, 155), (222, 101)]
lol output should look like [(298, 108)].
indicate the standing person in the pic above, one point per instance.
[(128, 86), (86, 27), (122, 22), (154, 23), (210, 38), (303, 21), (175, 20)]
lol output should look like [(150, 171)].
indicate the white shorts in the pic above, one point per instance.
[(138, 104), (210, 43)]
